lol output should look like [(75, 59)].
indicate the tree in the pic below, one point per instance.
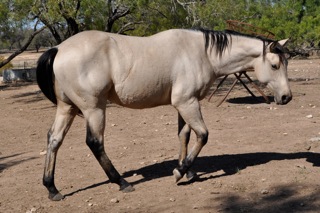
[(65, 18), (22, 49), (14, 17), (297, 19), (43, 39), (62, 18)]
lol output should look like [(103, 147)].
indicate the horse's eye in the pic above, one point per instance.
[(274, 66)]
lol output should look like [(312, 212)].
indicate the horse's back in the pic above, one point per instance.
[(93, 64), (136, 72)]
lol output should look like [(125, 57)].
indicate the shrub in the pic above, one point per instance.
[(7, 66)]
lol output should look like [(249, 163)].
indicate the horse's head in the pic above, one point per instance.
[(271, 68)]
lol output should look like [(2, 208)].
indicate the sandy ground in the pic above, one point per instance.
[(260, 157)]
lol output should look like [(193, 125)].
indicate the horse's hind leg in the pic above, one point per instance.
[(64, 117), (95, 141)]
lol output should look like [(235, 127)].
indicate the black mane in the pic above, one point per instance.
[(221, 39)]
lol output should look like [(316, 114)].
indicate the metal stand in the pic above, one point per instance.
[(238, 78)]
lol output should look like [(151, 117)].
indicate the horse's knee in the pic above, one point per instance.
[(54, 142)]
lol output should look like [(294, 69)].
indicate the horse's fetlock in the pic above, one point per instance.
[(183, 166), (186, 164)]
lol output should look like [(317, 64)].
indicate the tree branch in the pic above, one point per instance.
[(73, 27), (128, 27), (23, 48), (115, 14)]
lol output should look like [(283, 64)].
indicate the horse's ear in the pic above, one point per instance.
[(283, 42), (278, 46)]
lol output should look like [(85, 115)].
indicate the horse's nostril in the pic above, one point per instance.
[(285, 99)]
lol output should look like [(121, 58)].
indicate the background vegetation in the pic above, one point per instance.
[(42, 23)]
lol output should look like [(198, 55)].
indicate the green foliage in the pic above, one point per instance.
[(150, 17), (296, 19)]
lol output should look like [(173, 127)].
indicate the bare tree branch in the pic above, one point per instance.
[(128, 27), (115, 13), (23, 48), (157, 10), (190, 9)]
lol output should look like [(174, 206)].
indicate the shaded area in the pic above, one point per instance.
[(249, 100), (29, 97), (283, 198), (11, 160), (4, 86), (13, 86), (23, 97), (229, 164), (86, 188)]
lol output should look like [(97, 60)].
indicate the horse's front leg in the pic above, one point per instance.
[(64, 117), (191, 114), (184, 132), (95, 141)]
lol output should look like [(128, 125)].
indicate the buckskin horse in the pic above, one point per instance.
[(175, 67)]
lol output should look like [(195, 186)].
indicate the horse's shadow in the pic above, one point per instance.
[(229, 164)]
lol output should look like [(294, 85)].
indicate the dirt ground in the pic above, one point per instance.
[(259, 158)]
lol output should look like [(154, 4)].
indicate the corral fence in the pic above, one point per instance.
[(24, 71), (15, 75)]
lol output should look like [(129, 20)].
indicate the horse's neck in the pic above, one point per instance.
[(240, 55)]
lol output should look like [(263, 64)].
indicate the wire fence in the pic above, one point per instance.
[(25, 64), (21, 71)]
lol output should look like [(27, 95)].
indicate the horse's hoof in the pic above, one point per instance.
[(125, 186), (177, 175), (191, 175), (127, 189), (56, 197)]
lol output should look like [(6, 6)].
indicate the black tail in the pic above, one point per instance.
[(45, 75)]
